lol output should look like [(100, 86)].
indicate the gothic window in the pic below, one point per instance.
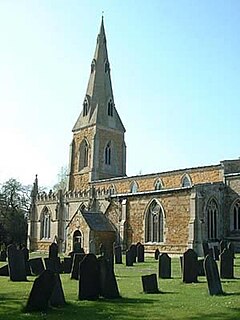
[(154, 223), (85, 107), (108, 154), (186, 182), (158, 184), (93, 65), (110, 108), (212, 219), (236, 216), (134, 187), (83, 154), (45, 224)]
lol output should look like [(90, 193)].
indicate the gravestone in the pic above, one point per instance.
[(3, 256), (164, 266), (205, 248), (67, 264), (53, 251), (4, 272), (223, 245), (107, 279), (53, 264), (230, 247), (102, 249), (215, 252), (89, 286), (36, 266), (129, 258), (149, 283), (118, 254), (226, 264), (201, 271), (133, 250), (26, 258), (190, 266), (41, 292), (212, 274), (140, 252), (16, 264), (57, 298), (77, 258), (156, 254)]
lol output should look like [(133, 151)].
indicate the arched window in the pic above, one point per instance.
[(45, 224), (134, 187), (212, 219), (158, 184), (83, 155), (111, 190), (93, 65), (186, 182), (154, 223), (85, 107), (107, 66), (110, 108), (236, 216), (108, 153)]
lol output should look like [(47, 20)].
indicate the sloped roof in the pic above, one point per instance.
[(97, 221)]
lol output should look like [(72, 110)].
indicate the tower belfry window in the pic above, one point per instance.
[(85, 107), (83, 154), (108, 154), (107, 66), (110, 108)]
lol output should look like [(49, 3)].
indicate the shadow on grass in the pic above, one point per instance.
[(217, 316)]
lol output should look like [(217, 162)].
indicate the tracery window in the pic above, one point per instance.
[(236, 216), (83, 154), (154, 223), (212, 219), (45, 224)]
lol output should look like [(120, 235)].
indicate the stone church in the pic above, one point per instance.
[(171, 211)]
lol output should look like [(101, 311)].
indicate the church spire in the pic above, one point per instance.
[(99, 92)]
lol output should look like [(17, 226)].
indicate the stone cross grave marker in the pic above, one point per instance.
[(57, 298), (212, 274), (53, 251), (164, 266), (36, 266)]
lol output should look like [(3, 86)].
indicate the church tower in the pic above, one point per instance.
[(98, 149)]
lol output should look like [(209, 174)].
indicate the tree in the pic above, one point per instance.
[(14, 207), (62, 180)]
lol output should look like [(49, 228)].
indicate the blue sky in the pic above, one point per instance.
[(175, 71)]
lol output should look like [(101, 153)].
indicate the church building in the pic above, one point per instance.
[(171, 211)]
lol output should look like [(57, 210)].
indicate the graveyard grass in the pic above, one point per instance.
[(176, 300)]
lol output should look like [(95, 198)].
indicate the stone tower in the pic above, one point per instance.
[(98, 149)]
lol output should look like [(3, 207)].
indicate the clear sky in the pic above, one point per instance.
[(175, 71)]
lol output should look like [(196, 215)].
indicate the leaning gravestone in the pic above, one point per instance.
[(133, 250), (107, 279), (41, 292), (156, 254), (164, 266), (16, 264), (89, 286), (140, 252), (118, 254), (57, 298), (190, 266), (36, 266), (226, 264), (77, 258), (149, 283), (212, 274), (53, 251), (205, 248), (129, 258)]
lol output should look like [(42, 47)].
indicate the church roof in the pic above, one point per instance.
[(97, 221), (99, 91)]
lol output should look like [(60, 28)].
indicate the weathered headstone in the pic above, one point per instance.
[(89, 286), (149, 283), (16, 264), (53, 251), (26, 258), (190, 266), (226, 264), (164, 266), (129, 258), (107, 279), (230, 247), (67, 264), (41, 292), (156, 254), (133, 250), (118, 254), (205, 248), (77, 258), (36, 266), (140, 252), (201, 271), (212, 274), (57, 298)]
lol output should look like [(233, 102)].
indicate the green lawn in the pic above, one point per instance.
[(176, 300)]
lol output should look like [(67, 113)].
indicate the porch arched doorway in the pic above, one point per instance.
[(77, 238)]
